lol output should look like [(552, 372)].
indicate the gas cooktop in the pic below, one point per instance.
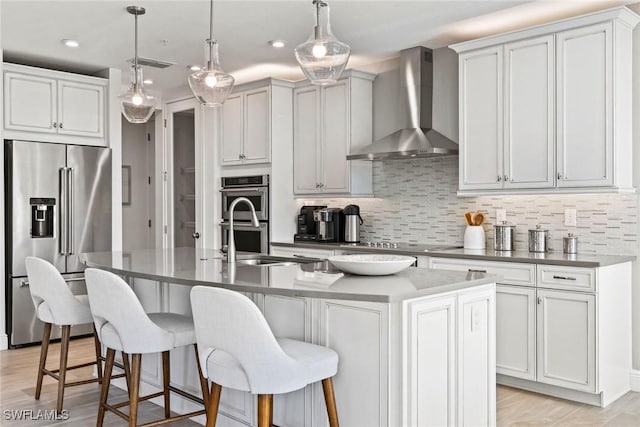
[(408, 247)]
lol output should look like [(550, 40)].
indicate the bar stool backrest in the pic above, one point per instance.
[(115, 306), (47, 285), (229, 321)]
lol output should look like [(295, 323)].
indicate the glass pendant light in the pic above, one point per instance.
[(211, 85), (137, 106), (322, 58)]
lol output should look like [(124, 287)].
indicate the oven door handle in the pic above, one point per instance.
[(252, 190), (241, 226)]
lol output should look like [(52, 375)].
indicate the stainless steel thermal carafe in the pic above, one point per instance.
[(352, 220)]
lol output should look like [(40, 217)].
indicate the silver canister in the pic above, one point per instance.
[(503, 236), (570, 244), (538, 239)]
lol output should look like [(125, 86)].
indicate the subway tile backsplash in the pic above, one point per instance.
[(416, 202)]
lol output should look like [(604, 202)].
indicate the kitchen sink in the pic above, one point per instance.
[(268, 260)]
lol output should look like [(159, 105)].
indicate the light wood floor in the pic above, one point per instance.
[(18, 378)]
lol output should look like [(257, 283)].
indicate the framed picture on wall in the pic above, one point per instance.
[(126, 185)]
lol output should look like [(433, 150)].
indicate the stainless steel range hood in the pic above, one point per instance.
[(416, 138)]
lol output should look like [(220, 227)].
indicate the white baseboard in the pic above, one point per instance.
[(4, 342), (634, 380)]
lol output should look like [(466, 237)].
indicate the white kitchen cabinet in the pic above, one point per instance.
[(566, 339), (329, 122), (529, 157), (547, 109), (53, 106), (516, 331), (481, 108), (585, 100), (560, 330), (246, 127)]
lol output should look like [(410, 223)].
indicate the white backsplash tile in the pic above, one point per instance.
[(416, 202)]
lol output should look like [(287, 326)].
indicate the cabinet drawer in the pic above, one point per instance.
[(570, 278), (512, 273)]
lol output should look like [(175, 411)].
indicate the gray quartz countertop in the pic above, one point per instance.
[(190, 267), (552, 258)]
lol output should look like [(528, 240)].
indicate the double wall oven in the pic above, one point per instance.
[(256, 189)]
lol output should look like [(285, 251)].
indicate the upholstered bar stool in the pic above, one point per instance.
[(238, 350), (55, 304), (122, 324)]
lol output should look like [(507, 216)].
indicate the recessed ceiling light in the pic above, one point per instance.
[(70, 43), (194, 67), (147, 81), (277, 43)]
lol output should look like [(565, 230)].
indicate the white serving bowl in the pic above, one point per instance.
[(372, 264)]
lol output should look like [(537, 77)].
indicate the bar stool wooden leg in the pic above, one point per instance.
[(106, 381), (96, 343), (214, 403), (134, 391), (166, 378), (264, 412), (127, 370), (62, 373), (270, 410), (46, 335), (330, 401), (203, 381)]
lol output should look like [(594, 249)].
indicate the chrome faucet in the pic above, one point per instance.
[(231, 248)]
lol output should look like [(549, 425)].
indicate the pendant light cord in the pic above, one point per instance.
[(211, 20), (135, 55)]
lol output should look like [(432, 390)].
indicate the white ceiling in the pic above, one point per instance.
[(174, 31)]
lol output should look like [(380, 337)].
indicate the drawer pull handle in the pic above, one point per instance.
[(564, 278), (471, 270)]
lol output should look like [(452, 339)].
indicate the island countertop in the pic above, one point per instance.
[(190, 267)]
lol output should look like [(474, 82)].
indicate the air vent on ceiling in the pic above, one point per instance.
[(155, 63)]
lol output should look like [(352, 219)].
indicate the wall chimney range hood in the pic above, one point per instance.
[(416, 138)]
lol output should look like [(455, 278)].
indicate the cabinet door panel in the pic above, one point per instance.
[(257, 138), (481, 119), (336, 139), (30, 103), (363, 367), (232, 130), (516, 331), (584, 96), (431, 369), (566, 339), (80, 109), (306, 137), (529, 114)]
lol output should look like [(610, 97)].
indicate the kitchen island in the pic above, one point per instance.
[(416, 348)]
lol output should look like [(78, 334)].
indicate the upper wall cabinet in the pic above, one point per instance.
[(329, 121), (45, 105), (548, 109), (250, 120)]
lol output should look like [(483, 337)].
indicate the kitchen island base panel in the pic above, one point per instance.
[(382, 367), (551, 390)]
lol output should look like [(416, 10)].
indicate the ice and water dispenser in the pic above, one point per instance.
[(42, 217)]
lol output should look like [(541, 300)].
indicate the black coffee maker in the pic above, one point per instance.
[(307, 230)]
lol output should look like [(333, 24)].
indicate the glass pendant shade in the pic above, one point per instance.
[(136, 105), (322, 57), (211, 85)]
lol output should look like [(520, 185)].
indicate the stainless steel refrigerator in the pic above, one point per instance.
[(57, 205)]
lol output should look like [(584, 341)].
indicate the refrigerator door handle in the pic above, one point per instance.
[(62, 219), (70, 224)]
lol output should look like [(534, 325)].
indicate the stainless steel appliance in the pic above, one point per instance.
[(329, 224), (306, 230), (352, 222), (256, 189), (58, 205)]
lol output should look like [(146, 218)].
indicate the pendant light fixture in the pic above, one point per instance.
[(137, 106), (322, 57), (211, 85)]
